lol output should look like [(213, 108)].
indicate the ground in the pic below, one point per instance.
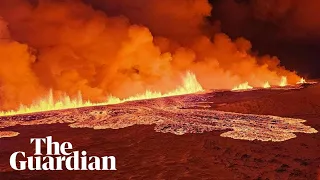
[(143, 153)]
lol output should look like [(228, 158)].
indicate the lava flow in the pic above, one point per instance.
[(178, 115), (171, 113)]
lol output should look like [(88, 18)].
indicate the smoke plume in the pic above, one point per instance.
[(119, 48)]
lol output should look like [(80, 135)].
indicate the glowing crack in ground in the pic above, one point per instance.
[(8, 134), (178, 115)]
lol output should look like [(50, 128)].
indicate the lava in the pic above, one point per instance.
[(50, 46), (244, 86), (266, 85), (190, 85), (8, 134), (178, 115), (284, 81), (302, 81)]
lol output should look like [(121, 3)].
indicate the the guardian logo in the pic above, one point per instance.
[(59, 157)]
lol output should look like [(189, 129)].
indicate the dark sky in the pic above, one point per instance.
[(289, 29)]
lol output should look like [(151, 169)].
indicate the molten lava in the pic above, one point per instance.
[(284, 81), (48, 103), (302, 81), (266, 85), (178, 115), (243, 86), (190, 85)]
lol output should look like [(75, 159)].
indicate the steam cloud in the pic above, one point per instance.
[(120, 48)]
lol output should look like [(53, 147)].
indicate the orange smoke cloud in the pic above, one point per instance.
[(176, 20), (69, 46)]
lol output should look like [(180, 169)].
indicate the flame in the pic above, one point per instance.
[(190, 85), (284, 81), (243, 86), (302, 81), (266, 85)]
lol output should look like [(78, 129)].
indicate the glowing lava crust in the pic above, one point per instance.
[(177, 115)]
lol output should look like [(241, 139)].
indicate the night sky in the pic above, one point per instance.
[(290, 31)]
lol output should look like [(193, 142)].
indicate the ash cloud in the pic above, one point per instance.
[(119, 48), (178, 20)]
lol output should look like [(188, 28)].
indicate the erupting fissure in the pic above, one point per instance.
[(283, 82), (266, 85), (243, 86), (302, 81), (190, 85), (48, 103), (70, 47)]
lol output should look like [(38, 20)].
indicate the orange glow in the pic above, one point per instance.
[(302, 81), (284, 81), (190, 85), (134, 52), (266, 85), (243, 86)]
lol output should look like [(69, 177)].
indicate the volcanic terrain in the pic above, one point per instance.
[(257, 134)]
